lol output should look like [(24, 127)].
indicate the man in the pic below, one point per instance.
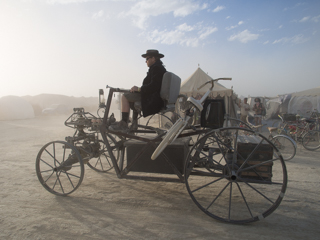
[(148, 94), (244, 110)]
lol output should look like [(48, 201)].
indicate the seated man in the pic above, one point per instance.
[(148, 94)]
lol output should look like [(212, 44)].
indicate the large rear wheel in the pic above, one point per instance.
[(235, 175)]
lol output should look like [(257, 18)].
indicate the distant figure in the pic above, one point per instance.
[(257, 108), (244, 109)]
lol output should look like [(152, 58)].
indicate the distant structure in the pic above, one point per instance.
[(13, 107)]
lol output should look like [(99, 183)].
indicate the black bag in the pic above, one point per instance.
[(212, 115)]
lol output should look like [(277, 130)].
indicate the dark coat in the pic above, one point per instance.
[(151, 101)]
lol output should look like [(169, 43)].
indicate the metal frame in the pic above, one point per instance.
[(123, 171)]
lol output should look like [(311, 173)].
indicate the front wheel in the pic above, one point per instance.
[(286, 145), (59, 167), (311, 140)]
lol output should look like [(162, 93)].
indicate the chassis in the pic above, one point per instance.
[(232, 174)]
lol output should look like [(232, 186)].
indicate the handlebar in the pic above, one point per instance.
[(212, 81), (118, 89)]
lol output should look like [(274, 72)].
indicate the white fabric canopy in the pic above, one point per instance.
[(190, 85)]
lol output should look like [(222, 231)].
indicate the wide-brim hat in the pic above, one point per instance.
[(152, 53)]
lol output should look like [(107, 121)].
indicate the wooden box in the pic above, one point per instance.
[(246, 146), (176, 152)]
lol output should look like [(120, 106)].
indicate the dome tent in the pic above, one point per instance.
[(305, 101), (13, 107)]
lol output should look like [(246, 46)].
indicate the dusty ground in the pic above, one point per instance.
[(105, 207)]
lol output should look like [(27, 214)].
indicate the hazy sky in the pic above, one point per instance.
[(75, 47)]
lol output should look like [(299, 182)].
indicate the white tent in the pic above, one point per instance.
[(277, 105), (304, 101), (190, 87), (13, 107)]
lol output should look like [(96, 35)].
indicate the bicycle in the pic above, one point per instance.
[(298, 129), (285, 144)]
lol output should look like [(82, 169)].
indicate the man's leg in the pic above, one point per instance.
[(122, 125), (125, 109)]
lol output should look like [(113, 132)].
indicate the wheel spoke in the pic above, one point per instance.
[(70, 179), (46, 163), (244, 199), (259, 192), (206, 185), (60, 184), (230, 197), (251, 154), (49, 175), (222, 190)]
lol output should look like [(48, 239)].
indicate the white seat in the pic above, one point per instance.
[(170, 90)]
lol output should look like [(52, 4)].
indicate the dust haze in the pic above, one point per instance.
[(105, 207)]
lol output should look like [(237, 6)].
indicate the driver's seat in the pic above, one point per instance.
[(170, 90)]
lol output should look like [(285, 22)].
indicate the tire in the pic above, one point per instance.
[(311, 140), (286, 145)]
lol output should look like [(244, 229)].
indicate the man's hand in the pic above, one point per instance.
[(134, 89)]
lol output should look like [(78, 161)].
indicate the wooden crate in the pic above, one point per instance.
[(245, 146), (176, 152)]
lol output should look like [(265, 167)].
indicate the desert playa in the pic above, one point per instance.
[(105, 207)]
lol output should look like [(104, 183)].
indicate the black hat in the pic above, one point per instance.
[(152, 52)]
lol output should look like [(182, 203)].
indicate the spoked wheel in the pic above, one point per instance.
[(311, 140), (235, 175), (103, 163), (286, 145), (59, 167)]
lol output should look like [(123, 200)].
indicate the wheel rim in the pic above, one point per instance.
[(311, 140), (231, 191), (59, 167), (286, 146)]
